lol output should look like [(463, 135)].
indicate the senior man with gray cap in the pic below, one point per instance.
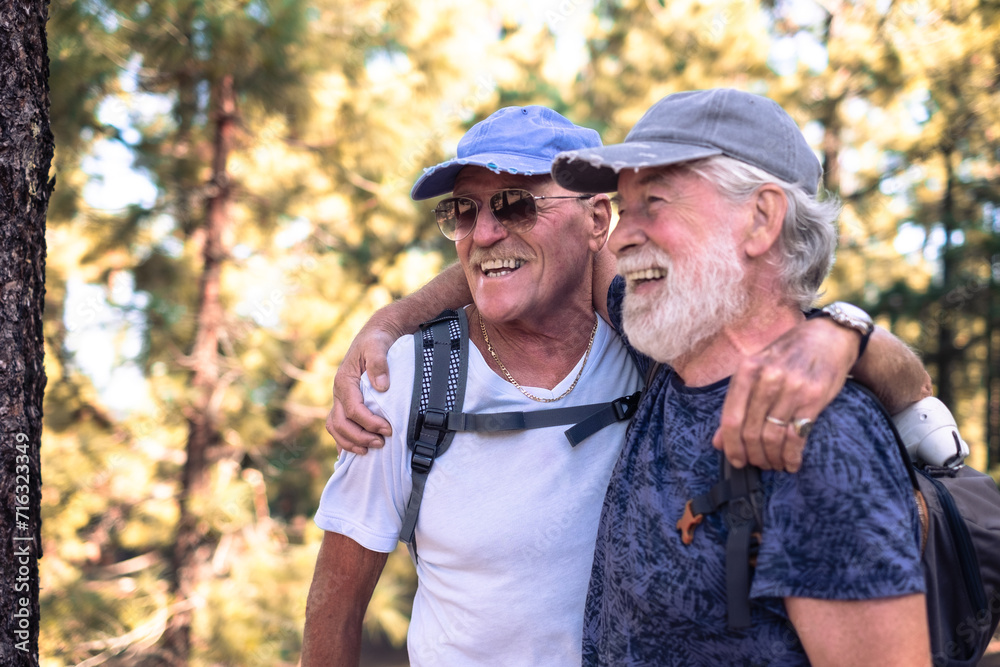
[(723, 243)]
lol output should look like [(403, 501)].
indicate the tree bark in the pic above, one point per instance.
[(191, 550), (993, 365), (832, 146), (26, 149), (947, 355)]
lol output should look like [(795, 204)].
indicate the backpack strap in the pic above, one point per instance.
[(586, 419), (441, 356), (960, 612), (739, 496), (745, 519)]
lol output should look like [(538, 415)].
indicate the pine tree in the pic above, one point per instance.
[(26, 153), (184, 526), (950, 52), (903, 96)]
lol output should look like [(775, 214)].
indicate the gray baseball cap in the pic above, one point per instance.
[(697, 124)]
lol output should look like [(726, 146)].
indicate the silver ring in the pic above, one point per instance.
[(775, 420), (802, 427)]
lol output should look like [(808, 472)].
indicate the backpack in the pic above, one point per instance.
[(441, 359), (959, 512)]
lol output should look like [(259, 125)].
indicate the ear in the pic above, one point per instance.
[(601, 215), (768, 208)]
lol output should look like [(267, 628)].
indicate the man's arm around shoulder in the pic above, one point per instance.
[(346, 574)]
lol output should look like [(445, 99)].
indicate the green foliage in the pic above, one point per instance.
[(320, 233)]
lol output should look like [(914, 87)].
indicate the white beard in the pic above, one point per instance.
[(690, 304)]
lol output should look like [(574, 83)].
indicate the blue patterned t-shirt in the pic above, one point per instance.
[(844, 527)]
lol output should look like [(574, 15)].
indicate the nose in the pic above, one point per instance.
[(487, 230), (626, 234)]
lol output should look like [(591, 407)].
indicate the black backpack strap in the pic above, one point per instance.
[(440, 364), (745, 520), (620, 409), (956, 565), (586, 419), (739, 497), (441, 354)]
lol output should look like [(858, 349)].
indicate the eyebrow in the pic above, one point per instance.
[(479, 193), (655, 176), (652, 177)]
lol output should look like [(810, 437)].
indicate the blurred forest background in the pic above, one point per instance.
[(232, 202)]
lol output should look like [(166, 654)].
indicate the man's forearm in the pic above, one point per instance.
[(346, 574), (892, 371), (449, 289), (332, 638)]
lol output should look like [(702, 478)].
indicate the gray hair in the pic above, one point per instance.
[(808, 236)]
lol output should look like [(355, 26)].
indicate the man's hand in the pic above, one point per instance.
[(797, 376), (793, 378), (350, 422)]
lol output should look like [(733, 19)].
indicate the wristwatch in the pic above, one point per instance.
[(850, 316)]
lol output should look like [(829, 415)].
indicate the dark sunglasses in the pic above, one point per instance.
[(515, 209)]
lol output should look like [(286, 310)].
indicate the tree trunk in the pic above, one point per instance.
[(947, 355), (993, 364), (831, 148), (25, 157), (191, 551)]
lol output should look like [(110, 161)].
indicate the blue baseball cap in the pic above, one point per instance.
[(697, 124), (518, 140)]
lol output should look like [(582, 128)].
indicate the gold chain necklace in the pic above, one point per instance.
[(510, 378)]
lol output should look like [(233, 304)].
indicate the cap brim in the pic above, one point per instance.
[(440, 179), (596, 169)]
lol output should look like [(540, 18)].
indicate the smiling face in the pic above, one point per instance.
[(681, 260), (533, 276)]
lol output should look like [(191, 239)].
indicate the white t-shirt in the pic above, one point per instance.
[(506, 531)]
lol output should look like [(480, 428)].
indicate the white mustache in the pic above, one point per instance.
[(641, 259), (479, 256)]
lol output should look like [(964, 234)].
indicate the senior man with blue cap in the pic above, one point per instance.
[(508, 520), (722, 244)]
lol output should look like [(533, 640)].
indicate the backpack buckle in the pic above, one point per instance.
[(435, 419), (423, 456), (626, 406), (742, 511)]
